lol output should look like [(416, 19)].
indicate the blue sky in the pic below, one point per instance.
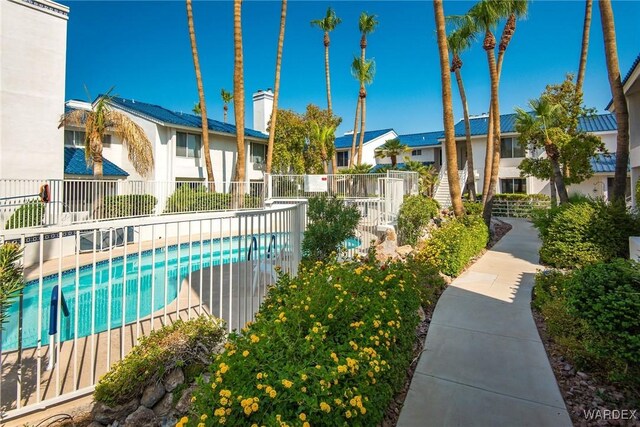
[(142, 48)]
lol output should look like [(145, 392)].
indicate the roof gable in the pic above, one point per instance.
[(75, 163)]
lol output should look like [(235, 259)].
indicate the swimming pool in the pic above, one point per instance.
[(123, 287)]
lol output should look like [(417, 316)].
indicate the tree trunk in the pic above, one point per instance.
[(495, 108), (352, 158), (470, 184), (363, 118), (394, 161), (276, 87), (447, 106), (559, 181), (552, 191), (619, 100), (585, 45), (488, 158), (238, 99), (225, 112), (326, 71), (203, 106)]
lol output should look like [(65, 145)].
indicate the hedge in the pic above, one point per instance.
[(578, 234), (198, 199), (128, 205), (181, 344), (29, 214), (415, 213), (329, 347), (452, 246)]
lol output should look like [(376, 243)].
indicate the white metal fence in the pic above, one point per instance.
[(517, 208), (92, 290), (32, 203)]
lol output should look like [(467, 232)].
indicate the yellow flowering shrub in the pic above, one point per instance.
[(339, 357)]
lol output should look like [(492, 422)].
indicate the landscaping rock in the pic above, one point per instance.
[(387, 249), (142, 417), (173, 379), (185, 400), (163, 407), (168, 421), (152, 394), (404, 251), (106, 414), (95, 424)]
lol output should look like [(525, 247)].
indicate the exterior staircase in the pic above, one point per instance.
[(441, 193)]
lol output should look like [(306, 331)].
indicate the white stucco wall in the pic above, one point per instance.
[(32, 76)]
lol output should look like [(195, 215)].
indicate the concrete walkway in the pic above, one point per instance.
[(484, 363)]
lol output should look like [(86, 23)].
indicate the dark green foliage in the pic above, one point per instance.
[(472, 208), (198, 199), (452, 246), (28, 215), (415, 213), (519, 196), (180, 344), (582, 233), (331, 222), (128, 205), (11, 282)]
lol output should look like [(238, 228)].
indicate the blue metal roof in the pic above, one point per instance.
[(75, 164), (399, 166), (624, 81), (605, 163), (166, 116), (596, 123), (346, 140), (424, 139)]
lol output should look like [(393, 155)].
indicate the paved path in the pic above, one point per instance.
[(484, 363)]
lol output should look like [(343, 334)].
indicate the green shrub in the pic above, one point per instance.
[(128, 205), (331, 222), (29, 214), (197, 199), (330, 347), (452, 246), (549, 285), (607, 297), (472, 208), (415, 213), (583, 233), (11, 281), (181, 344)]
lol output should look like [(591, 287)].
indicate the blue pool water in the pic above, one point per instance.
[(136, 294)]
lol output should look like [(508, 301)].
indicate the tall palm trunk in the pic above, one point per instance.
[(276, 87), (363, 118), (619, 100), (352, 158), (225, 109), (552, 191), (489, 45), (334, 158), (203, 105), (488, 158), (585, 45), (238, 99), (447, 106), (470, 184)]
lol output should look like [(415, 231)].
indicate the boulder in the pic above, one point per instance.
[(141, 417), (404, 251), (105, 414), (163, 407), (184, 403), (173, 379), (152, 394)]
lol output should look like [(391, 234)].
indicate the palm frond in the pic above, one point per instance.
[(139, 148), (363, 71), (367, 23), (75, 118), (329, 22), (227, 97)]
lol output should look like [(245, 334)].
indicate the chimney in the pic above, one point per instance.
[(262, 107)]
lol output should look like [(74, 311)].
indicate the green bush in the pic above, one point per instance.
[(197, 199), (415, 213), (330, 347), (128, 205), (331, 223), (452, 246), (607, 296), (472, 208), (11, 281), (29, 214), (583, 233), (550, 285), (181, 344)]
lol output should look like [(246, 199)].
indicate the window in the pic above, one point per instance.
[(510, 148), (187, 145), (75, 138), (513, 185), (416, 152), (258, 152), (343, 159)]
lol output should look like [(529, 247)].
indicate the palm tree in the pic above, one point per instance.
[(227, 97), (585, 45), (537, 124), (363, 71), (103, 118), (447, 106), (202, 104), (427, 176), (619, 100), (328, 24), (196, 109), (276, 87), (321, 136), (458, 41), (392, 148), (238, 90), (352, 154)]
